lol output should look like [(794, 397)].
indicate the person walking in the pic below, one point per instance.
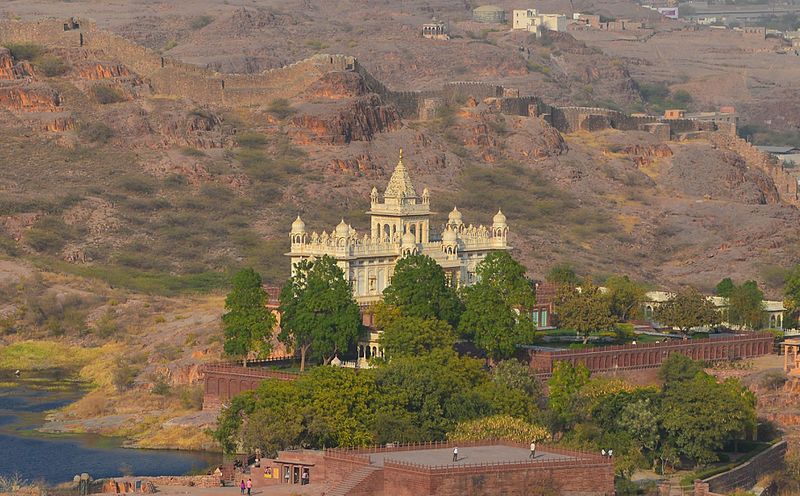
[(242, 486), (249, 486), (533, 450), (455, 453)]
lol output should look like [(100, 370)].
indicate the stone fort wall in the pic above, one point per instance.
[(746, 475), (171, 77), (640, 356), (784, 182)]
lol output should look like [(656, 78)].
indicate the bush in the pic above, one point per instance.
[(123, 376), (200, 22), (192, 398), (773, 380), (136, 183), (24, 51), (50, 65), (96, 132), (251, 140), (104, 94), (161, 386), (280, 108)]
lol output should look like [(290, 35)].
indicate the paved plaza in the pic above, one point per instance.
[(468, 455)]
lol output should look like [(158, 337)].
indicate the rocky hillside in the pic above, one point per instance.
[(168, 195)]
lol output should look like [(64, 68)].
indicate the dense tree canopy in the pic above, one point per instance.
[(410, 336), (420, 287), (497, 313), (248, 323), (687, 309), (625, 296), (746, 306), (725, 287), (585, 309), (318, 312)]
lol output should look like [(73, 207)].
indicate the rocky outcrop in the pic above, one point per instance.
[(101, 70), (361, 165), (30, 97), (337, 85), (785, 185), (52, 122), (358, 120), (643, 155)]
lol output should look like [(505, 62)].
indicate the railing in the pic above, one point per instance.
[(238, 370)]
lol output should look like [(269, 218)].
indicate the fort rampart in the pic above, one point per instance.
[(168, 76), (746, 345)]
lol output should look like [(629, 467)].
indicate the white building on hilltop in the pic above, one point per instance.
[(399, 225), (530, 20)]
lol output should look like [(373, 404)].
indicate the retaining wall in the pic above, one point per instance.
[(747, 474), (222, 381)]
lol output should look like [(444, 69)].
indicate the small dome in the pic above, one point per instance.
[(298, 226), (499, 219), (342, 230), (449, 236), (409, 239), (455, 217)]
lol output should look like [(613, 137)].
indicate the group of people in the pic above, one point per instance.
[(531, 456), (246, 485)]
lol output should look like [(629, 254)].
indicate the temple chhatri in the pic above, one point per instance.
[(400, 225)]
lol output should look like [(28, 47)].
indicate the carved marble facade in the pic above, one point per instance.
[(399, 224)]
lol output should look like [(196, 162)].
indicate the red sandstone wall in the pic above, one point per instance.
[(578, 480), (651, 355)]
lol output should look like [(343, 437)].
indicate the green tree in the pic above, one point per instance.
[(318, 312), (412, 336), (584, 310), (746, 306), (420, 289), (437, 392), (791, 300), (248, 323), (498, 307), (678, 367), (686, 309), (626, 297), (701, 415), (562, 273), (725, 287), (564, 385)]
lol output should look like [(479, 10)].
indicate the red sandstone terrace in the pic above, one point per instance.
[(483, 467)]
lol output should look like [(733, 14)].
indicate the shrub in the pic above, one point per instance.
[(136, 183), (192, 398), (24, 51), (50, 65), (192, 152), (104, 94), (96, 132), (161, 386), (123, 376), (251, 140), (43, 241), (200, 22), (280, 108), (773, 380)]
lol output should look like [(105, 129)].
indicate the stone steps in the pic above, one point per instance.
[(350, 483)]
